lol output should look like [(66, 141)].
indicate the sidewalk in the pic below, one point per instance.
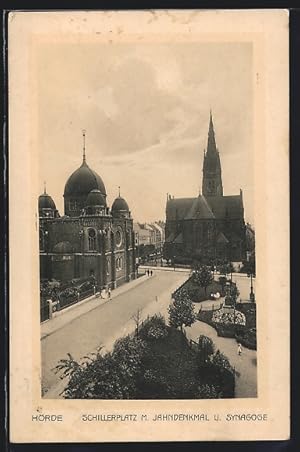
[(61, 318)]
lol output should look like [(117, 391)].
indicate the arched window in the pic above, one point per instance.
[(119, 263), (73, 204), (92, 239), (118, 237)]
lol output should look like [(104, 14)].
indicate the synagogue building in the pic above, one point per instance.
[(90, 239)]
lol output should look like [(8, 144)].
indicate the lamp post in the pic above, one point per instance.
[(252, 295)]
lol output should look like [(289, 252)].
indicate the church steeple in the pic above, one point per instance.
[(212, 175)]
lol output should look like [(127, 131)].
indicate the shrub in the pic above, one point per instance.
[(223, 317), (154, 328)]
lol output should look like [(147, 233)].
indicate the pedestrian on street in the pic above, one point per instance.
[(148, 272), (156, 298), (151, 272), (109, 292), (239, 349)]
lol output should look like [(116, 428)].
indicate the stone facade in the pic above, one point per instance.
[(90, 239)]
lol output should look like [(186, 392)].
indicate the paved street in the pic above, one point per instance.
[(245, 365), (104, 324)]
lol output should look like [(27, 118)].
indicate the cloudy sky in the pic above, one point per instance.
[(145, 109)]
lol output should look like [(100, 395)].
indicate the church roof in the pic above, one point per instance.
[(199, 210), (209, 207), (221, 238), (178, 208), (230, 207), (179, 238), (170, 238)]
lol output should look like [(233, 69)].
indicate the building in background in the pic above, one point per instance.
[(149, 240), (90, 239), (210, 227)]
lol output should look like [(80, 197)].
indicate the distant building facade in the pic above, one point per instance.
[(149, 238), (210, 227), (90, 239)]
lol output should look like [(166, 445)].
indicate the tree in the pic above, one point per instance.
[(221, 361), (234, 292), (223, 281), (112, 376), (225, 268), (203, 277), (206, 348), (137, 318), (181, 311)]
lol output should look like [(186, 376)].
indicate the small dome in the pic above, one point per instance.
[(120, 205), (82, 181), (95, 198), (63, 248), (46, 202)]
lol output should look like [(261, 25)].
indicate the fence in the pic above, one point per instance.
[(63, 301)]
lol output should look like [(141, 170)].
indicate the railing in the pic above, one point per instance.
[(65, 301), (62, 302)]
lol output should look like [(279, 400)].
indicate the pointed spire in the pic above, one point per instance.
[(45, 192), (212, 179), (119, 191), (211, 142), (83, 152)]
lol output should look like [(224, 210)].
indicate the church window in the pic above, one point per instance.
[(107, 266), (92, 239)]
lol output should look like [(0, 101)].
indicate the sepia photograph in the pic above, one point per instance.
[(148, 278), (146, 226)]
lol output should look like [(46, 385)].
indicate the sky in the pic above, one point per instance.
[(145, 108)]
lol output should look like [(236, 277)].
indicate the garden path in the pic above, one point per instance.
[(245, 365)]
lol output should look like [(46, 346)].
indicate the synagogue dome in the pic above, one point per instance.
[(46, 202), (83, 181), (95, 198), (119, 205)]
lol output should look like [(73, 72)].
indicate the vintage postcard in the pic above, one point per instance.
[(148, 225)]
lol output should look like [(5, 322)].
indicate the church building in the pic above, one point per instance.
[(90, 239), (210, 227)]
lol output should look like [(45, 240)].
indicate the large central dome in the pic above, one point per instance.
[(82, 181), (78, 186)]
